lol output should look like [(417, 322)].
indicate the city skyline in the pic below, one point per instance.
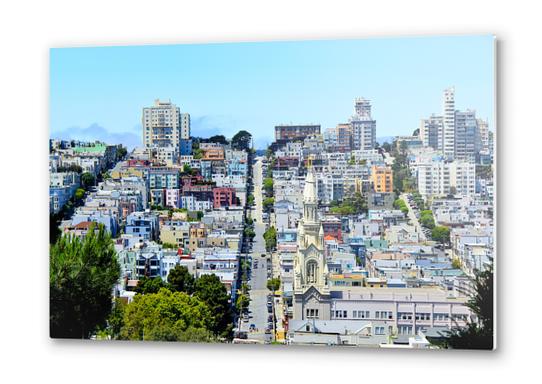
[(99, 92)]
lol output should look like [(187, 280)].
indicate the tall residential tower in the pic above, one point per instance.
[(456, 134), (363, 125), (448, 130), (164, 125)]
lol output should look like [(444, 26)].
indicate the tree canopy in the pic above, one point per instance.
[(220, 139), (273, 284), (121, 152), (147, 285), (270, 237), (82, 275), (402, 178), (207, 288), (427, 219), (70, 168), (241, 140), (268, 203), (401, 205), (243, 301), (210, 289), (268, 186), (478, 334), (79, 194), (167, 316), (180, 279), (350, 206), (87, 180), (441, 234)]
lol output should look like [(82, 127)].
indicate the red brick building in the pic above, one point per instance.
[(333, 228), (224, 197)]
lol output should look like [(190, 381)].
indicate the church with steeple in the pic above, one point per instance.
[(311, 293)]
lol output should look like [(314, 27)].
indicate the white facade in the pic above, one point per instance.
[(440, 178), (448, 142), (164, 125), (363, 126)]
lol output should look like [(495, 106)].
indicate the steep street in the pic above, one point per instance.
[(258, 280)]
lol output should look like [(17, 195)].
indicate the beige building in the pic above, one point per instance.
[(198, 237), (164, 125), (175, 233)]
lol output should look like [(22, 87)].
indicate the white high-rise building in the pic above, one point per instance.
[(363, 126), (448, 130), (164, 125), (462, 178), (440, 178), (456, 134)]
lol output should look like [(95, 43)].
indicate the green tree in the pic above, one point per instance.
[(241, 140), (343, 210), (167, 316), (268, 203), (116, 318), (54, 230), (82, 274), (250, 200), (210, 289), (441, 234), (121, 152), (249, 232), (350, 206), (187, 168), (105, 175), (79, 194), (401, 205), (87, 180), (273, 284), (478, 334), (270, 237), (220, 139), (456, 263), (181, 280), (71, 168), (197, 153), (147, 285), (426, 219), (268, 186), (243, 301)]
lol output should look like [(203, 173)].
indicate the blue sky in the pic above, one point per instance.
[(99, 92)]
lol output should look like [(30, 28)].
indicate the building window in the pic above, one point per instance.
[(312, 313)]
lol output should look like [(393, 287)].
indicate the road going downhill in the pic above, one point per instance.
[(258, 280)]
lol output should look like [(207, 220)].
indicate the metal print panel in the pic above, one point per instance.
[(334, 193)]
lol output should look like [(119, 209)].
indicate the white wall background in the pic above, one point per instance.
[(29, 29)]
